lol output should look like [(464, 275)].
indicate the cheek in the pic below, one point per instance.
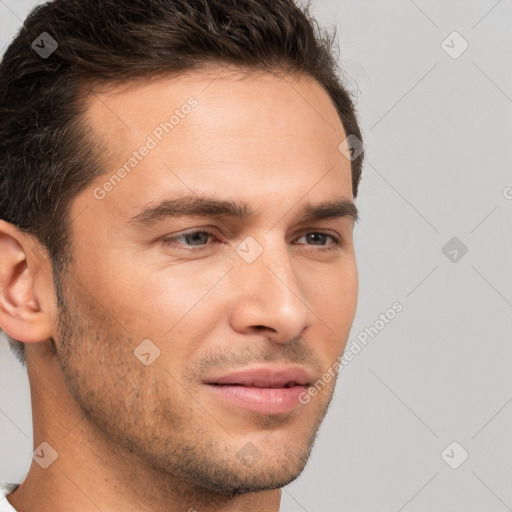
[(175, 307), (334, 302), (335, 292)]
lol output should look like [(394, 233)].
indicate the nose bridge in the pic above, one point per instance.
[(268, 262)]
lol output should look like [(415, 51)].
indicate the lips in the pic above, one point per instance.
[(264, 377), (265, 389)]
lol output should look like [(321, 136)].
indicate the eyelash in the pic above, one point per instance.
[(338, 242)]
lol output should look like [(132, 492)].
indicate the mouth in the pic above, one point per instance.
[(264, 390)]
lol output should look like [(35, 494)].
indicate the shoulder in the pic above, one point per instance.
[(5, 489)]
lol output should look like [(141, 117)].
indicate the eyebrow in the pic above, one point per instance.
[(193, 205)]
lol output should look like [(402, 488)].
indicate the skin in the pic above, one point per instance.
[(132, 437)]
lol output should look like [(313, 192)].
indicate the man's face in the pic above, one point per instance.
[(262, 301)]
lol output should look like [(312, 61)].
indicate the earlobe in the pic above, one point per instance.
[(23, 315)]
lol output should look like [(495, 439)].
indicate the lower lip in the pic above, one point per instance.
[(262, 400)]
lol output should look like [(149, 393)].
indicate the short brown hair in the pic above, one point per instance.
[(46, 154)]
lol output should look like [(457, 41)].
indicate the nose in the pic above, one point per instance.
[(269, 295)]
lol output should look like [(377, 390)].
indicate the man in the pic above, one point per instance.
[(177, 190)]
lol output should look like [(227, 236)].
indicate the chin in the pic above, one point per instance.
[(243, 474)]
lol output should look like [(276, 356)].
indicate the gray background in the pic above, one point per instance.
[(438, 133)]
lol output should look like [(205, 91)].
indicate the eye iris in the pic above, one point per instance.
[(316, 235), (197, 235)]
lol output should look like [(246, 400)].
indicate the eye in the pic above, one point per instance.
[(196, 237), (320, 237)]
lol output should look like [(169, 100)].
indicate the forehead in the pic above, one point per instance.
[(218, 131), (232, 103)]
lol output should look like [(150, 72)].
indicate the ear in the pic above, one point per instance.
[(27, 295)]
